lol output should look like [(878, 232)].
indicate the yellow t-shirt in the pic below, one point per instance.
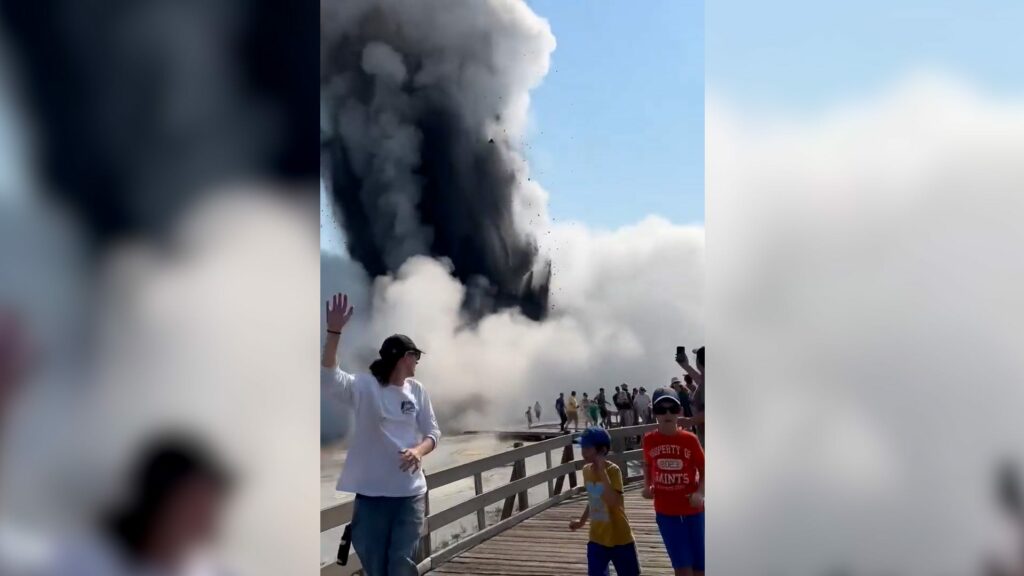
[(608, 527), (572, 404)]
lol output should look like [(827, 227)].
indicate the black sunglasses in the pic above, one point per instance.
[(667, 408), (415, 354)]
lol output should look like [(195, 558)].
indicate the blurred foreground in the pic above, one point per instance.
[(158, 248)]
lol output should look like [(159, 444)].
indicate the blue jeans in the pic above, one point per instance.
[(386, 532), (623, 557), (684, 539)]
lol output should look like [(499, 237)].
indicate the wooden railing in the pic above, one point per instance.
[(625, 443)]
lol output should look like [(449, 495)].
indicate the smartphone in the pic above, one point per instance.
[(680, 351)]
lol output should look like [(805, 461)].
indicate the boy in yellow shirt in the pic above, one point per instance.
[(611, 538)]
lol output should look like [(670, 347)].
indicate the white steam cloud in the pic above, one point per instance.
[(866, 284), (622, 301)]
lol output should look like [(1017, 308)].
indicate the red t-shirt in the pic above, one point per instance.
[(674, 466)]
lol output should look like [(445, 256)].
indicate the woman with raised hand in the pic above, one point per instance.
[(394, 428)]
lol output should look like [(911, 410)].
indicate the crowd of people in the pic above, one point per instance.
[(633, 407)]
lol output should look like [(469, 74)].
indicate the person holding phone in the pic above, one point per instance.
[(697, 400), (394, 429)]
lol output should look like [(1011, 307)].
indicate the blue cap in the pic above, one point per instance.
[(594, 437), (665, 394)]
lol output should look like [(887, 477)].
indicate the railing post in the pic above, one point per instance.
[(567, 456), (524, 496), (547, 463), (478, 487), (618, 447), (425, 540), (518, 471)]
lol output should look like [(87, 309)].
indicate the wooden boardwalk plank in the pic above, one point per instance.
[(544, 545)]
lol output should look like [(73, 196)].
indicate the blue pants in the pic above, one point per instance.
[(386, 532), (684, 540), (623, 557)]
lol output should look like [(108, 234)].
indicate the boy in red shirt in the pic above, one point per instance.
[(674, 477)]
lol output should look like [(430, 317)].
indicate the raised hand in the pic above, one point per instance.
[(338, 312)]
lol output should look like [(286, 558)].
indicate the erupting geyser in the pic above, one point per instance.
[(417, 103)]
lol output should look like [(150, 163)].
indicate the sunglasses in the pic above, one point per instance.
[(414, 353), (667, 408)]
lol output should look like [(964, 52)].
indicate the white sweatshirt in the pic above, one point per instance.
[(387, 420)]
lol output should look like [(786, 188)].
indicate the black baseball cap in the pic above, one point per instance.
[(396, 346), (665, 394)]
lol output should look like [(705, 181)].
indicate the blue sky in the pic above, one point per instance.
[(618, 123), (801, 54)]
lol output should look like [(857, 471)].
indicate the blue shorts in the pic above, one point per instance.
[(623, 557), (684, 540)]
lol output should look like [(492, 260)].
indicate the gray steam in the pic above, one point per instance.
[(422, 108)]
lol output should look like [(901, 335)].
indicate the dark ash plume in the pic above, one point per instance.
[(414, 156)]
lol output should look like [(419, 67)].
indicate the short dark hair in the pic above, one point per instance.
[(573, 392)]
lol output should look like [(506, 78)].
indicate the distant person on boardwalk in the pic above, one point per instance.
[(602, 405), (572, 412), (624, 406), (674, 478), (585, 405), (632, 406), (536, 410), (642, 406), (611, 538), (529, 417), (560, 409), (394, 428), (595, 413)]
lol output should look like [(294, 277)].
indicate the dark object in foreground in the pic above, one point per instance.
[(345, 545)]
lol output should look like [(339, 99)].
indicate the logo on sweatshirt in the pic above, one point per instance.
[(670, 464), (408, 407)]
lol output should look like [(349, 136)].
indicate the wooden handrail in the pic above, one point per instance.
[(466, 508), (467, 470), (341, 514)]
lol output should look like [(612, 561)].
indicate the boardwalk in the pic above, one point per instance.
[(543, 544)]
